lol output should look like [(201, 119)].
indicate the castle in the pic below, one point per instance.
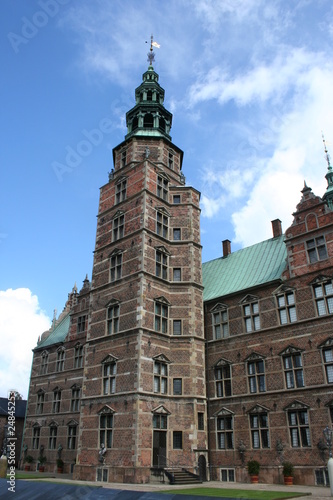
[(162, 363)]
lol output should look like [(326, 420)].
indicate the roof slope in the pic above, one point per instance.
[(57, 335), (246, 268)]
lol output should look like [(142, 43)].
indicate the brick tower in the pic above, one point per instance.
[(143, 394)]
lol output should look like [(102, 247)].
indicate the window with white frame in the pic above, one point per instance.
[(53, 437), (323, 293), (60, 363), (259, 430), (78, 356), (160, 377), (316, 248), (118, 225), (293, 369), (161, 317), (105, 430), (162, 224), (223, 379), (109, 377), (113, 318), (161, 264), (40, 402), (162, 187), (75, 400), (251, 316), (56, 401), (35, 437), (256, 374), (44, 363), (298, 422), (71, 436), (286, 307), (220, 322)]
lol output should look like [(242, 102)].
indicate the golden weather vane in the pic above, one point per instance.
[(151, 55)]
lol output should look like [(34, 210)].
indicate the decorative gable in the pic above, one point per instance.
[(258, 409), (106, 410), (161, 410), (219, 307), (223, 412), (254, 356), (162, 358), (290, 350), (296, 405), (109, 359), (249, 298)]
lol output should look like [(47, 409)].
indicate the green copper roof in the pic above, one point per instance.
[(57, 335), (245, 268)]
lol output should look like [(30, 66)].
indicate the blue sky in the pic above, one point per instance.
[(249, 83)]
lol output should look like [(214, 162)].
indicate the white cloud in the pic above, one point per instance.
[(21, 322)]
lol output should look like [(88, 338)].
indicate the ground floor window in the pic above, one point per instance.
[(102, 475), (322, 477), (228, 475)]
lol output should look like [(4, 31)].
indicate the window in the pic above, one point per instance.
[(75, 401), (109, 378), (123, 158), (105, 430), (177, 274), (170, 159), (40, 402), (225, 434), (53, 437), (220, 324), (287, 308), (162, 224), (316, 249), (71, 437), (161, 317), (35, 437), (161, 265), (201, 421), (256, 375), (118, 227), (44, 363), (223, 380), (251, 317), (176, 199), (160, 421), (78, 356), (324, 298), (259, 430), (121, 191), (176, 234), (177, 440), (298, 421), (293, 370), (228, 475), (81, 324), (115, 267), (177, 386), (328, 363), (160, 377), (113, 319), (177, 327), (162, 187), (56, 401), (60, 360)]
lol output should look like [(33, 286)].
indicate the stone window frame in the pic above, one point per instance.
[(75, 397), (256, 379), (224, 429), (223, 378), (176, 200), (109, 374), (251, 313), (322, 288), (162, 222), (259, 428), (40, 402), (118, 225), (177, 440), (293, 367), (162, 262), (72, 428), (81, 323), (162, 186), (286, 304), (177, 327), (60, 362), (78, 355), (220, 321), (177, 386), (123, 157), (160, 418), (161, 315), (120, 190), (44, 363), (35, 439), (106, 426), (316, 249), (56, 402), (116, 265), (176, 234), (201, 421), (298, 422), (171, 159), (53, 435), (327, 348), (112, 317), (161, 374)]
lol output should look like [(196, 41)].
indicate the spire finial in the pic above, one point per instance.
[(151, 54), (327, 156)]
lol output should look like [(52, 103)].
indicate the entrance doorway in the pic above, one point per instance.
[(159, 449), (202, 468)]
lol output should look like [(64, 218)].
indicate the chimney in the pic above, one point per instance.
[(277, 228), (226, 246)]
